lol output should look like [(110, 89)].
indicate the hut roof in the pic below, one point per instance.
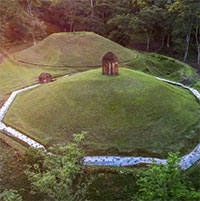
[(43, 75), (109, 56)]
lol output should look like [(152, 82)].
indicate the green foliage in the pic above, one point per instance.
[(60, 174), (24, 18), (119, 29), (10, 195), (165, 182)]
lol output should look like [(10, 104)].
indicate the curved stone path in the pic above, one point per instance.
[(186, 161)]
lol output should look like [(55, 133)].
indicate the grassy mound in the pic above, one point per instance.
[(86, 49), (73, 50), (130, 113)]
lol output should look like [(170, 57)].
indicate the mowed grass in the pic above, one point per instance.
[(15, 76), (78, 49), (130, 113), (86, 49), (163, 66)]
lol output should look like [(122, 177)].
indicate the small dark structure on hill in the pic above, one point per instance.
[(45, 78), (110, 64)]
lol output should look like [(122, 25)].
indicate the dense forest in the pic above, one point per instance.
[(170, 27)]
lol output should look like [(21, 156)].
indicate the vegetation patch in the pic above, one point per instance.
[(123, 114)]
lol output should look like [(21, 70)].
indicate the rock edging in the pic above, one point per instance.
[(11, 131)]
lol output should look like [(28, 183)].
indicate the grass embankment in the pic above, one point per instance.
[(163, 66), (6, 156), (130, 113), (73, 49), (12, 174), (13, 143)]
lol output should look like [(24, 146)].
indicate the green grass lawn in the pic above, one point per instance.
[(130, 113), (15, 76), (74, 50)]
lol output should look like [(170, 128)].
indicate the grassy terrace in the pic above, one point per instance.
[(130, 113), (14, 76)]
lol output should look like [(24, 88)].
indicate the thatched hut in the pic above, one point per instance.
[(45, 78), (110, 64)]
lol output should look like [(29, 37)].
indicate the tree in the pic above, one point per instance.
[(165, 182), (184, 24), (120, 29), (197, 37), (60, 175), (23, 17), (7, 15), (30, 22), (73, 14), (10, 195), (197, 30)]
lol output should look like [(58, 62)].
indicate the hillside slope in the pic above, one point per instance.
[(132, 112)]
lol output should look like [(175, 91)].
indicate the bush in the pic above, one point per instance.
[(61, 173), (10, 195), (165, 182)]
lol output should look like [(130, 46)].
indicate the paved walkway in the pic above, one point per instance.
[(186, 161)]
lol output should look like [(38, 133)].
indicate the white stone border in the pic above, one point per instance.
[(10, 100), (11, 131), (186, 161)]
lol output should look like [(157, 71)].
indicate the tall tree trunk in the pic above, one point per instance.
[(197, 43), (33, 37), (198, 57), (71, 26), (162, 44), (168, 41), (148, 42), (92, 13), (92, 7), (72, 20), (29, 8), (187, 46)]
